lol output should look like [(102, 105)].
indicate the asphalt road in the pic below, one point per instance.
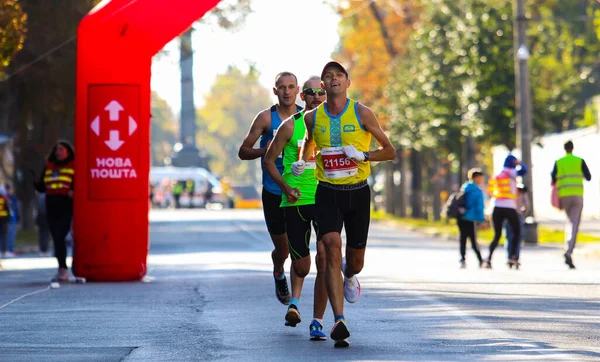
[(209, 295)]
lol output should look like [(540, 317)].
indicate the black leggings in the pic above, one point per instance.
[(467, 230), (500, 214), (59, 224)]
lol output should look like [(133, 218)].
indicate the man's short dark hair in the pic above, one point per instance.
[(285, 74), (569, 146), (474, 172)]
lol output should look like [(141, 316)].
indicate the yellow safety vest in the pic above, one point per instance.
[(4, 211), (569, 176), (59, 179), (500, 187)]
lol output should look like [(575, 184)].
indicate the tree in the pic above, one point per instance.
[(163, 130), (235, 98), (41, 84), (13, 22), (229, 14), (372, 36)]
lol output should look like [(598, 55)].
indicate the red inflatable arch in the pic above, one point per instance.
[(115, 45)]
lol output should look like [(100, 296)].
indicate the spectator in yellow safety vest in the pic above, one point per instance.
[(56, 181), (503, 189), (568, 174)]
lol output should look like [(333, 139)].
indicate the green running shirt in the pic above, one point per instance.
[(307, 182)]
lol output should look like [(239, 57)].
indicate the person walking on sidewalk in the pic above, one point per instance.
[(264, 127), (522, 208), (57, 182), (568, 174), (341, 130), (467, 223), (503, 189), (298, 203)]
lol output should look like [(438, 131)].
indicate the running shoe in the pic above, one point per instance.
[(340, 334), (281, 290), (61, 276), (463, 264), (569, 261), (351, 286), (292, 317), (513, 262), (316, 331)]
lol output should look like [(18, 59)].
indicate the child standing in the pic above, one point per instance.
[(467, 223)]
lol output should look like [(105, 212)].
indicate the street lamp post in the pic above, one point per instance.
[(523, 102)]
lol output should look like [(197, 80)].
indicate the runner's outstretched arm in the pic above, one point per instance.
[(283, 135), (387, 152), (257, 129)]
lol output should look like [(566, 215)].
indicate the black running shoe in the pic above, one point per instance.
[(569, 261), (292, 317), (340, 334), (281, 290)]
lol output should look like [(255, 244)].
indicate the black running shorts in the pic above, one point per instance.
[(347, 206), (273, 213), (297, 222)]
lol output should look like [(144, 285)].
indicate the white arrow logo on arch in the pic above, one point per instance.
[(114, 108), (132, 125), (114, 143), (96, 125)]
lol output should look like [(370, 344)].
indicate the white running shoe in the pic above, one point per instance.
[(351, 286)]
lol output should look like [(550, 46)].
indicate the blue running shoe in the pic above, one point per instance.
[(316, 331)]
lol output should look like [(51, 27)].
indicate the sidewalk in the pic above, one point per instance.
[(587, 226)]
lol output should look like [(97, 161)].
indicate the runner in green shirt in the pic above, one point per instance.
[(298, 199)]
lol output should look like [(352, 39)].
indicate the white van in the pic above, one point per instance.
[(200, 176)]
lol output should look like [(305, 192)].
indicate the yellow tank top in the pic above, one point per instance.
[(330, 134)]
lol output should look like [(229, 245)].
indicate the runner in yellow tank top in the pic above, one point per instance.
[(341, 131)]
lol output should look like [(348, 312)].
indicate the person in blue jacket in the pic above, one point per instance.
[(467, 222)]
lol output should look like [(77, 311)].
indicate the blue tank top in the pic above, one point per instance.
[(268, 183)]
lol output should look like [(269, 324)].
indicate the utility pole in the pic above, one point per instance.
[(524, 113)]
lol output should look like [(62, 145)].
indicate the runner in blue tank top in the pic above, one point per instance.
[(265, 126)]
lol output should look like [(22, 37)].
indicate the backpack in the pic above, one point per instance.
[(456, 204)]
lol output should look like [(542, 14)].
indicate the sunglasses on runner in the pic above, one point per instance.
[(313, 92)]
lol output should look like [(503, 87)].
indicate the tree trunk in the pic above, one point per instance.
[(416, 160), (389, 189), (400, 190), (436, 186), (470, 153), (387, 39)]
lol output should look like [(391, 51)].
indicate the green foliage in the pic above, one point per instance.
[(234, 100), (164, 129), (590, 113), (457, 79), (13, 27), (564, 69), (458, 76)]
